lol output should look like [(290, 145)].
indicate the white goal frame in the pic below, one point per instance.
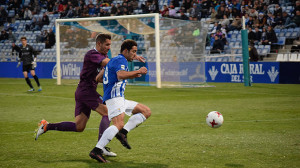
[(157, 40)]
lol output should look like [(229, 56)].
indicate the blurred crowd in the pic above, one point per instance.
[(261, 16)]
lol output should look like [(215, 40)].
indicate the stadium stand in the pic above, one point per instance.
[(286, 29)]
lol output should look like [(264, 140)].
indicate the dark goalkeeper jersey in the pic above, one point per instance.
[(25, 53)]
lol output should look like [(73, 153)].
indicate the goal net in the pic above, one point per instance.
[(174, 49)]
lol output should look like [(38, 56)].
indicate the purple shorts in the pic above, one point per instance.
[(86, 100)]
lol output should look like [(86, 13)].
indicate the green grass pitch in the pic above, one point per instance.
[(261, 127)]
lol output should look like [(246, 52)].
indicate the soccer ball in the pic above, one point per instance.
[(214, 119)]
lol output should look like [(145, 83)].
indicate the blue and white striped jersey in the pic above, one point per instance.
[(111, 85)]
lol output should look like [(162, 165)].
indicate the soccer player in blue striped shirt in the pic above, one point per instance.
[(114, 80)]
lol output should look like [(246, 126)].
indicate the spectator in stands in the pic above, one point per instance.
[(50, 5), (77, 12), (213, 15), (278, 10), (45, 19), (20, 14), (262, 20), (165, 11), (69, 13), (154, 8), (113, 10), (205, 6), (286, 19), (31, 25), (27, 14), (187, 4), (11, 36), (172, 11), (91, 10), (257, 35), (235, 12), (225, 22), (295, 21), (251, 35), (51, 38), (85, 11), (194, 13), (253, 55), (38, 26), (42, 37), (135, 4), (129, 9), (3, 36), (183, 15), (218, 46), (3, 15), (236, 24), (253, 12), (270, 37), (81, 4), (145, 7), (250, 22), (221, 12), (215, 28), (224, 40)]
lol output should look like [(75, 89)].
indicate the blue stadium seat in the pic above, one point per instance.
[(281, 41)]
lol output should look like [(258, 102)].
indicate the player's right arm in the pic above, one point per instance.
[(131, 74), (99, 77)]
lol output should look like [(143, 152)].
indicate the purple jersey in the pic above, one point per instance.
[(91, 66)]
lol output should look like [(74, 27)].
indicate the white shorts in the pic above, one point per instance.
[(119, 105)]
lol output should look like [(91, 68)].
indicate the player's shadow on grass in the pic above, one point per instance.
[(113, 164), (234, 165)]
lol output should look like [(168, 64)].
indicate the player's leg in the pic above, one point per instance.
[(32, 72), (25, 73), (82, 114), (139, 113), (108, 135), (115, 112), (104, 124)]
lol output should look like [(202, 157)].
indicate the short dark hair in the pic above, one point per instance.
[(23, 38), (127, 44), (102, 37)]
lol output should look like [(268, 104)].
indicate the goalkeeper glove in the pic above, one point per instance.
[(34, 64), (19, 63)]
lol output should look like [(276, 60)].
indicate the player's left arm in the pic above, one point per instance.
[(122, 74), (104, 62)]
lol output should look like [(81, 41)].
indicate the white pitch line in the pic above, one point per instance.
[(151, 125), (35, 95)]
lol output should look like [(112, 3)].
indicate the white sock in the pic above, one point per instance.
[(107, 136), (134, 121)]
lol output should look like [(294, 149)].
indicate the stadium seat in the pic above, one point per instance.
[(238, 58), (282, 57), (281, 41), (294, 57), (294, 35)]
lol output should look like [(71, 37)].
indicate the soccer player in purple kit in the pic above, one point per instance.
[(114, 81), (86, 96)]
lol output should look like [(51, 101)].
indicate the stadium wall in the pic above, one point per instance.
[(261, 72)]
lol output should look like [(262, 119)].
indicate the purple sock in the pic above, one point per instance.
[(104, 124), (63, 126)]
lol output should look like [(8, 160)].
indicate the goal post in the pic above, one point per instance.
[(174, 49)]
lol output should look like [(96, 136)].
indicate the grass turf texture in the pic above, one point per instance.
[(261, 127)]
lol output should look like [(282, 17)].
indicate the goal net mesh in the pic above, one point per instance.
[(182, 48)]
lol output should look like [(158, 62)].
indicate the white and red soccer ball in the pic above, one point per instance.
[(214, 119)]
